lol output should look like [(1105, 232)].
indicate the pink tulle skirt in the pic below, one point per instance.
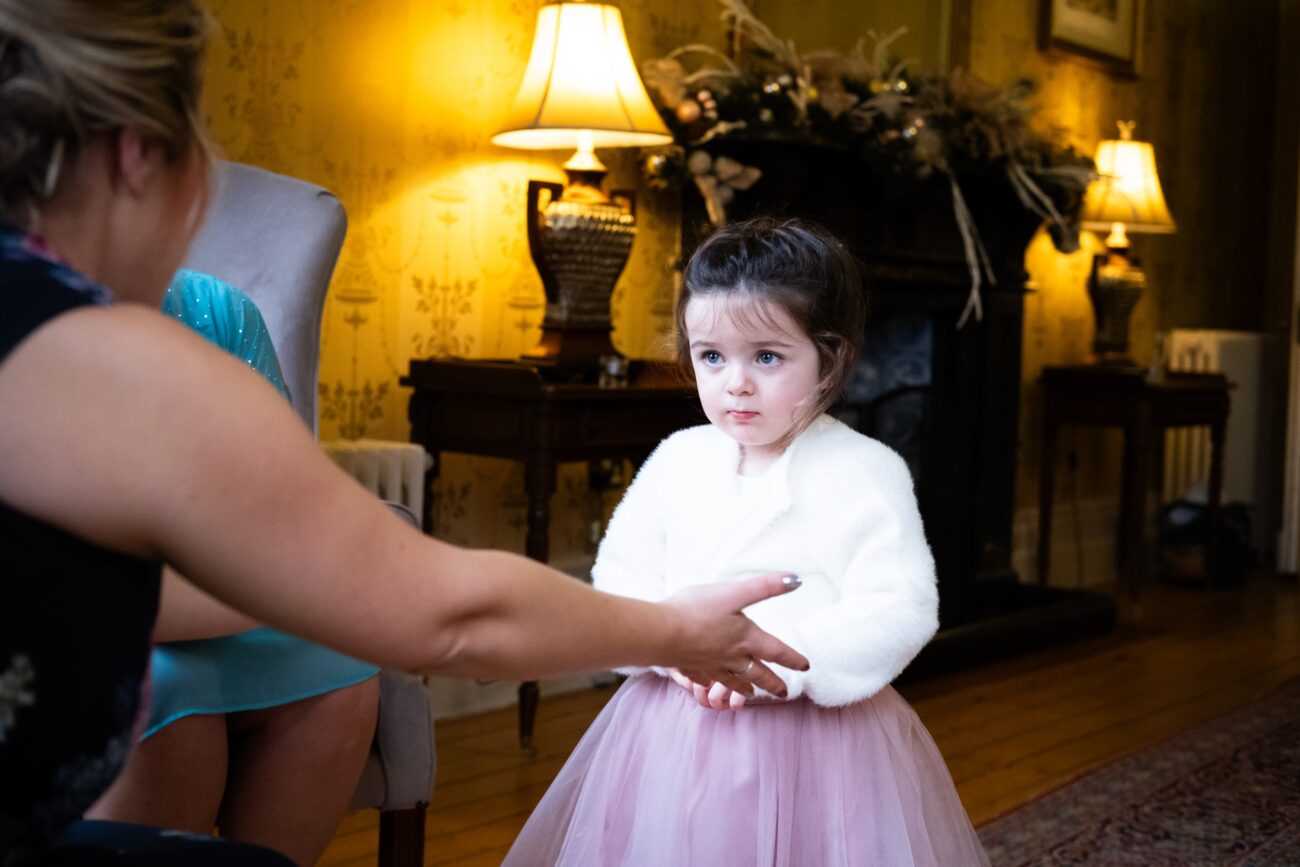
[(658, 781)]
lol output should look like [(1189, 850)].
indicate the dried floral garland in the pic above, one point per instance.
[(872, 105)]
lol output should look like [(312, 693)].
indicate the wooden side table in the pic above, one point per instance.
[(508, 409), (1122, 397)]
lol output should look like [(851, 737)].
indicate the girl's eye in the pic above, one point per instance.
[(767, 358), (711, 357)]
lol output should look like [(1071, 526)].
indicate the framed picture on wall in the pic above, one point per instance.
[(1105, 33)]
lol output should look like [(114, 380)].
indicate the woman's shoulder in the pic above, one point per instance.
[(35, 289), (128, 345)]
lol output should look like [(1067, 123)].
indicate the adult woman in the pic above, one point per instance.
[(123, 452)]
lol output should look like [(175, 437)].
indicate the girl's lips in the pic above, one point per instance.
[(741, 415)]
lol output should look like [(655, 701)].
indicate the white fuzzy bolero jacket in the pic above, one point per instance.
[(837, 509)]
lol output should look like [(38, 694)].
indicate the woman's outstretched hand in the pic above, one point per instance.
[(721, 645)]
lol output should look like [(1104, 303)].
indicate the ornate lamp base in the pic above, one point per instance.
[(580, 241), (1114, 287)]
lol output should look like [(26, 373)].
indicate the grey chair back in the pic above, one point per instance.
[(281, 251), (277, 239)]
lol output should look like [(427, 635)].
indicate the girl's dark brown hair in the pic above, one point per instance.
[(798, 266)]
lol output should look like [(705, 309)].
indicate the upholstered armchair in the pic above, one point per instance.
[(277, 239)]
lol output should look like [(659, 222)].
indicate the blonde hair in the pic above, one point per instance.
[(800, 268), (73, 70)]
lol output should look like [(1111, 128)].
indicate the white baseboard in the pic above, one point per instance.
[(1083, 543)]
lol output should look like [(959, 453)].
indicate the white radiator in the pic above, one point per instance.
[(390, 470), (1247, 359)]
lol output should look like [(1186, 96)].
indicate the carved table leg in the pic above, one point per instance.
[(529, 698), (430, 477), (1046, 479), (539, 482), (1218, 432), (1131, 547)]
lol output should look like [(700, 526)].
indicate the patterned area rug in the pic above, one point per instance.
[(1226, 793)]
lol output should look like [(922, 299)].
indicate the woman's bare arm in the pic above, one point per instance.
[(140, 437), (185, 613)]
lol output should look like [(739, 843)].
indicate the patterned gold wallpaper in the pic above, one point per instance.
[(391, 105)]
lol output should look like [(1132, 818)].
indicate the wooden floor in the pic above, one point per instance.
[(1009, 732)]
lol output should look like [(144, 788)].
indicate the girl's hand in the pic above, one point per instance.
[(680, 679), (705, 695), (716, 696), (721, 645)]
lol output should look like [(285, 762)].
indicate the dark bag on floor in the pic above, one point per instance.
[(1184, 529)]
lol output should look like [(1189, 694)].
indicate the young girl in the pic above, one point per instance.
[(839, 771)]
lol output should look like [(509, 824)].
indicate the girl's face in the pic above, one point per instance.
[(754, 367)]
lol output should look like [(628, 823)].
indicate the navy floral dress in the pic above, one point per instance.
[(75, 619)]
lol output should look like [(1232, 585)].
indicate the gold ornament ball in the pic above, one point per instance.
[(699, 163), (688, 111)]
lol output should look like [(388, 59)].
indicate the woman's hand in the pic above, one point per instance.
[(721, 646)]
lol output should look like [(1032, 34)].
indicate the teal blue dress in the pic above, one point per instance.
[(262, 667)]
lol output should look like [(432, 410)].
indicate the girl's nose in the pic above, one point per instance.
[(738, 381)]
